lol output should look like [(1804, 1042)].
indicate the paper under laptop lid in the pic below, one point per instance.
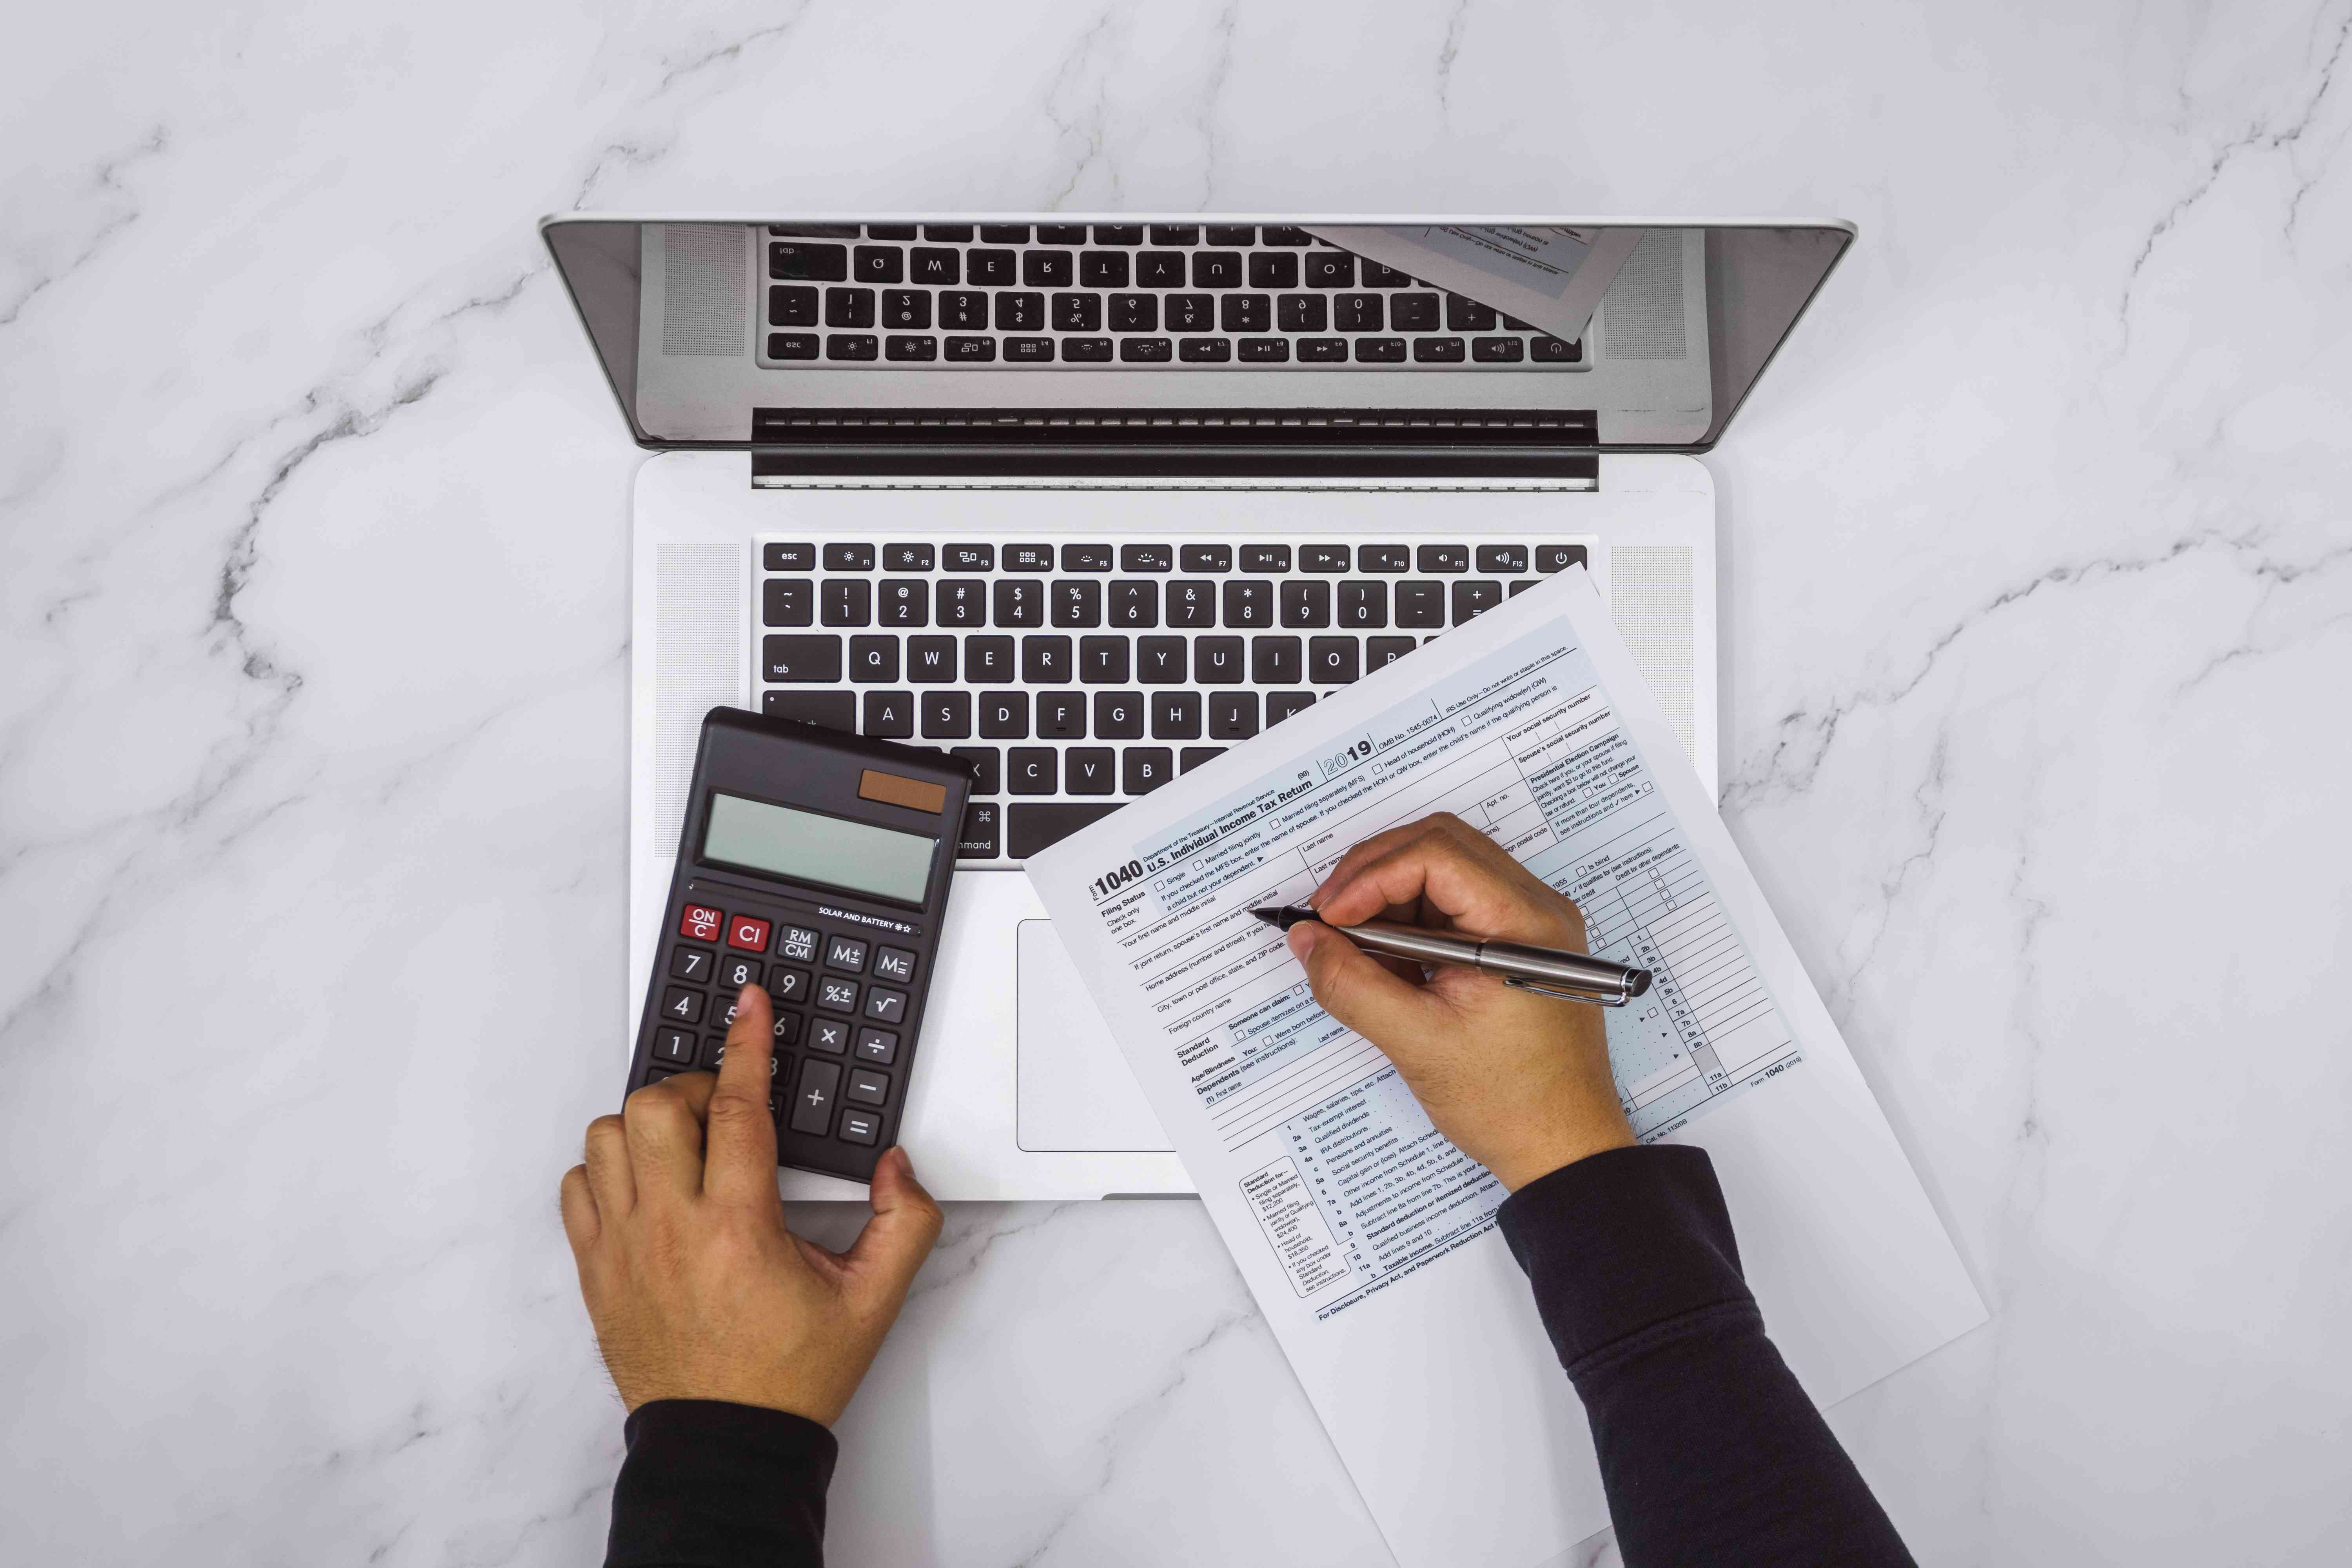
[(1635, 334)]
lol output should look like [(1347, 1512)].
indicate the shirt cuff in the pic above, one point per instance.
[(1622, 1241), (710, 1485)]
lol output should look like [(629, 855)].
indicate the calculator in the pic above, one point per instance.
[(816, 864)]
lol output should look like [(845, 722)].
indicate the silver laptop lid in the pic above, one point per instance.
[(1133, 345)]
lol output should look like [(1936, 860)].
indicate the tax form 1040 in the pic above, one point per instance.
[(1368, 1239)]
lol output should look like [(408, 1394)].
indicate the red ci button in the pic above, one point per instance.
[(749, 935), (701, 922)]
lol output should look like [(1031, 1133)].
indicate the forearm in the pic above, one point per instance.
[(712, 1485), (1709, 1450)]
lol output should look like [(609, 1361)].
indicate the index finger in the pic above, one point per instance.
[(739, 1136)]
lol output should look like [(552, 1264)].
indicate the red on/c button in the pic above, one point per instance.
[(747, 933), (700, 923)]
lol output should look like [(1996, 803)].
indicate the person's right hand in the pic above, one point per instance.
[(1518, 1080)]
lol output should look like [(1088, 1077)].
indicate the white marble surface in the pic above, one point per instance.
[(2038, 636)]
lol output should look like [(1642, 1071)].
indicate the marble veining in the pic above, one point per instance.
[(2037, 619)]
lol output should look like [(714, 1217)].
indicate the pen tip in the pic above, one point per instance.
[(1272, 917)]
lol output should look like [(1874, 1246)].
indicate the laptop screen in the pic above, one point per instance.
[(1109, 334)]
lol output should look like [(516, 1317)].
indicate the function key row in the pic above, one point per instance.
[(1279, 235), (1097, 558)]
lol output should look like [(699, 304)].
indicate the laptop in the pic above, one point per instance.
[(1086, 499)]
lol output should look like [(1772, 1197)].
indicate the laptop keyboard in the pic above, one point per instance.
[(1168, 296), (1076, 675)]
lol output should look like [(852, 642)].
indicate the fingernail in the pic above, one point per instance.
[(1301, 938), (743, 997)]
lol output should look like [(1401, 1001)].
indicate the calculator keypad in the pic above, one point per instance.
[(840, 1003)]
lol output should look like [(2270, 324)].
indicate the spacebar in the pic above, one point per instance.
[(1035, 827)]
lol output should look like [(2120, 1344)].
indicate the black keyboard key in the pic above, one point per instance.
[(849, 306), (987, 768), (1090, 770), (1160, 661), (848, 602), (1475, 596), (787, 602), (1020, 601), (1194, 557), (987, 659), (1304, 314), (1357, 312), (1190, 757), (1264, 350), (1322, 558), (1191, 313), (681, 1005), (1087, 350), (1265, 558), (1044, 660), (788, 557), (1217, 661), (1378, 277), (1413, 312), (1247, 312), (994, 269), (1119, 234), (1047, 268), (1330, 270), (1363, 604), (1233, 715), (1465, 315), (1277, 661), (690, 964), (1216, 270), (951, 232), (865, 1088), (673, 1046), (1437, 350), (1383, 558), (852, 345), (1248, 604), (889, 231), (932, 661), (1077, 312), (889, 715), (1061, 234), (1134, 313), (827, 710), (1273, 272), (1232, 234), (1380, 652), (1380, 351), (816, 263), (878, 264), (940, 268), (903, 601), (1104, 269), (981, 836), (1497, 351), (1085, 558), (1281, 705), (1146, 558), (1322, 351), (1502, 558), (872, 660), (961, 604), (1102, 661), (1420, 604), (1175, 234), (1176, 716), (1033, 829), (908, 557), (849, 558), (1004, 233), (1061, 715), (963, 310), (1306, 601), (1031, 770), (1191, 605), (1160, 269), (971, 558), (1077, 602), (1521, 586), (1119, 715), (1028, 351), (1331, 661), (922, 350), (1552, 351), (1443, 557), (906, 309), (1003, 715), (947, 715), (1559, 557), (1018, 310), (1277, 235), (829, 1035), (813, 1100), (1206, 351), (1143, 769), (791, 305), (1147, 351)]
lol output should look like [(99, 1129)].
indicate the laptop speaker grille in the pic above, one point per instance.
[(707, 272), (700, 603), (1650, 599)]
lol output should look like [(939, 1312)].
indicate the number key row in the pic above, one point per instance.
[(1131, 604)]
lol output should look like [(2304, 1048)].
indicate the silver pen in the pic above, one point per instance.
[(1552, 971)]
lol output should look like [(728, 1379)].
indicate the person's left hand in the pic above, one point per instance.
[(697, 1289)]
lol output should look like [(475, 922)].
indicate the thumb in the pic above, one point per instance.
[(1392, 1013), (892, 1246)]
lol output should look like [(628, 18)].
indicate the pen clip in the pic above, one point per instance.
[(1597, 999)]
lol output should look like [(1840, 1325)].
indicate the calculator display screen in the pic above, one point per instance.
[(807, 847)]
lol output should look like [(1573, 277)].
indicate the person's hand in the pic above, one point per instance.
[(1518, 1080), (697, 1289)]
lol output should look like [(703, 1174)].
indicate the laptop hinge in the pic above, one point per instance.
[(802, 465)]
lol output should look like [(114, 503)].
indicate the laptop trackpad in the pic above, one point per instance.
[(1077, 1094)]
